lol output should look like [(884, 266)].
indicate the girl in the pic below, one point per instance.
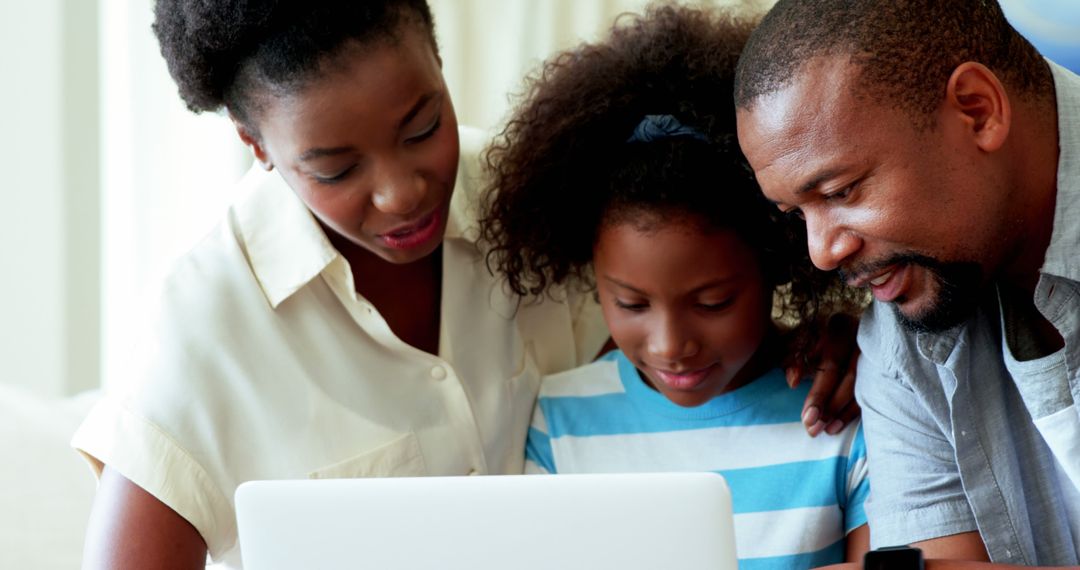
[(626, 148)]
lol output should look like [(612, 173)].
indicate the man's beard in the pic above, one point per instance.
[(959, 289)]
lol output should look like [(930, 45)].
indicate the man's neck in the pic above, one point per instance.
[(1035, 154)]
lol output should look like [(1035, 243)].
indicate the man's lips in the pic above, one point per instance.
[(886, 285)]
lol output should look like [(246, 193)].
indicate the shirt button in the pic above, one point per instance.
[(963, 433), (438, 372)]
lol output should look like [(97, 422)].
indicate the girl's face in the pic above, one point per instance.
[(690, 309), (371, 146)]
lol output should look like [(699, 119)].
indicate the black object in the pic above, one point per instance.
[(893, 558)]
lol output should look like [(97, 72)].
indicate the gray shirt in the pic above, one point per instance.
[(954, 441)]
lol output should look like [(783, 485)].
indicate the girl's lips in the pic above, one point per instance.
[(886, 288), (683, 380), (414, 235)]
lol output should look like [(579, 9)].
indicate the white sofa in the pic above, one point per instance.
[(45, 487)]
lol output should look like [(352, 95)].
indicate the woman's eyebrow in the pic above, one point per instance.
[(313, 153), (415, 109)]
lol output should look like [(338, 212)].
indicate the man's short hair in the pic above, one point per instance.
[(905, 50)]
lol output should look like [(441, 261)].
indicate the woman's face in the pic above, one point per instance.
[(689, 308), (370, 145)]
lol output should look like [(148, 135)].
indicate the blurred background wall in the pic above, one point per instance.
[(107, 177)]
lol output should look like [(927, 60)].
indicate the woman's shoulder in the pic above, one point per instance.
[(469, 185)]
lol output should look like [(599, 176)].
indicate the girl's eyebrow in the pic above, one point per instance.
[(623, 285), (709, 285)]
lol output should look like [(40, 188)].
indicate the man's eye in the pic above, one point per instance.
[(795, 213), (840, 194)]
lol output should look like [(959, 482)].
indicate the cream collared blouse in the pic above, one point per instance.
[(266, 364)]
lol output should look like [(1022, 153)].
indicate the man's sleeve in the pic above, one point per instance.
[(916, 493)]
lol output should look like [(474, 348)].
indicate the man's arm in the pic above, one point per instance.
[(963, 551)]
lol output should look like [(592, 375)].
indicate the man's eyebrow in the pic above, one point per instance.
[(818, 179)]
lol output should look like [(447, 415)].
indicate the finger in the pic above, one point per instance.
[(842, 406), (845, 389), (793, 374), (844, 418), (824, 385)]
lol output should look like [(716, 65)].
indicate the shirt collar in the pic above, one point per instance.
[(285, 246), (1061, 258)]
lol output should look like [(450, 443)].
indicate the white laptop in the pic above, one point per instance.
[(625, 521)]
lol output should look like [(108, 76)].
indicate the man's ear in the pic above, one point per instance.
[(252, 140), (976, 95)]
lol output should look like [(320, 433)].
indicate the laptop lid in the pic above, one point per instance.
[(624, 521)]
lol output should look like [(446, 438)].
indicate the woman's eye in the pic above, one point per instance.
[(635, 307), (332, 179), (427, 132)]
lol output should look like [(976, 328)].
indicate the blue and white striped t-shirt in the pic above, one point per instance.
[(795, 497)]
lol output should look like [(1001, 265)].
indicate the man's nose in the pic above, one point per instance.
[(829, 243)]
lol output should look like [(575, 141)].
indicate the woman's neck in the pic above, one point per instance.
[(407, 295)]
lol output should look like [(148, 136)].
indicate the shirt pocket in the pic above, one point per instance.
[(401, 457)]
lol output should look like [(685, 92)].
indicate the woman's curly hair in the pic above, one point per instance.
[(227, 52), (562, 167)]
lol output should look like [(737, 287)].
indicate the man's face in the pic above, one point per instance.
[(916, 215)]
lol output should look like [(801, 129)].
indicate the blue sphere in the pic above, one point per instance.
[(1052, 26)]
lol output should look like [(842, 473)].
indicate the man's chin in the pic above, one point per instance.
[(937, 315)]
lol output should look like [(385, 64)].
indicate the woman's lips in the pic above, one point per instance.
[(413, 235), (687, 380)]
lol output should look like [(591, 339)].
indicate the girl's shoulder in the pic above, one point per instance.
[(597, 378)]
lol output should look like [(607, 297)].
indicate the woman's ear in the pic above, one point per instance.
[(252, 140), (977, 97)]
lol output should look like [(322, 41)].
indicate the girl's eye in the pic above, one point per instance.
[(333, 179), (635, 307), (426, 133), (716, 306)]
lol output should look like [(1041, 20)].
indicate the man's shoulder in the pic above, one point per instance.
[(884, 338)]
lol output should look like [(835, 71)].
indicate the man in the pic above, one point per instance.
[(935, 157)]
